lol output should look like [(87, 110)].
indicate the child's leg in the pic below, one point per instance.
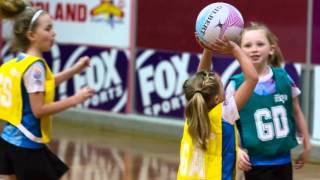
[(8, 177)]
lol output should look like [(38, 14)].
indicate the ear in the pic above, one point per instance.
[(30, 35), (272, 49), (216, 99)]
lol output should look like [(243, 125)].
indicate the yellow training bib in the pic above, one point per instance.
[(11, 75), (197, 164)]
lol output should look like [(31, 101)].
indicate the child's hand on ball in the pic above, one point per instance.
[(224, 46), (203, 45)]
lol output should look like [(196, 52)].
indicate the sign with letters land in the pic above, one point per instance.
[(94, 22)]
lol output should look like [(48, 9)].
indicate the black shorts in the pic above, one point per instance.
[(30, 164), (273, 172)]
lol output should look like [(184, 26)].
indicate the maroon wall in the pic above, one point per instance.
[(169, 25), (316, 33)]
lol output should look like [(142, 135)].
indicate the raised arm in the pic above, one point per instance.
[(205, 60), (250, 74), (206, 57), (250, 78)]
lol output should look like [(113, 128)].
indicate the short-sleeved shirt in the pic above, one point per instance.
[(229, 115), (34, 78), (33, 82), (265, 86), (230, 111)]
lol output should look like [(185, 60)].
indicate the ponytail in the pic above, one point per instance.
[(11, 8), (22, 15), (198, 120)]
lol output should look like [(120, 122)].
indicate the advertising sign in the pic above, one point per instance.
[(107, 74), (316, 106), (160, 77), (94, 22)]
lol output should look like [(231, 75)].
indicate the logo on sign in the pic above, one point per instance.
[(161, 80), (109, 11)]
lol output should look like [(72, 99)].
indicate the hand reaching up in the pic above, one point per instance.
[(224, 46), (220, 46), (82, 63), (203, 45)]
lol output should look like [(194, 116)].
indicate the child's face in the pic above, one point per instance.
[(256, 45), (44, 33)]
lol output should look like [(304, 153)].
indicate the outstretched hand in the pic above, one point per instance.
[(82, 63), (203, 45), (224, 46), (221, 46)]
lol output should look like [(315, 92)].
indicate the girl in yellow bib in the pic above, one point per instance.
[(208, 145), (26, 96)]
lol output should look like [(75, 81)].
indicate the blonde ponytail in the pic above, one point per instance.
[(11, 8), (200, 90)]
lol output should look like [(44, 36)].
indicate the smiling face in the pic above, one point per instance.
[(256, 45), (42, 36)]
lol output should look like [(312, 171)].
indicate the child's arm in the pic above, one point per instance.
[(205, 60), (82, 63), (303, 129), (39, 108), (250, 74), (206, 57)]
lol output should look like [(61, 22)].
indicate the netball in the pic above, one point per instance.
[(217, 20)]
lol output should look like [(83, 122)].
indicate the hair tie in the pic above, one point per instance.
[(198, 91), (34, 18)]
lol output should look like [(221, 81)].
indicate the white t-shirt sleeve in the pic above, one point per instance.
[(295, 91), (34, 78), (229, 110), (294, 88), (231, 89)]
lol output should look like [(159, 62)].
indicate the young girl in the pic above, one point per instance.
[(208, 146), (267, 121), (26, 96)]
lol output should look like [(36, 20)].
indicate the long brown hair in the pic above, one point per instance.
[(276, 59), (21, 13), (200, 90)]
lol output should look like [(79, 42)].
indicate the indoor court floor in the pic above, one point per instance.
[(102, 154), (94, 153)]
